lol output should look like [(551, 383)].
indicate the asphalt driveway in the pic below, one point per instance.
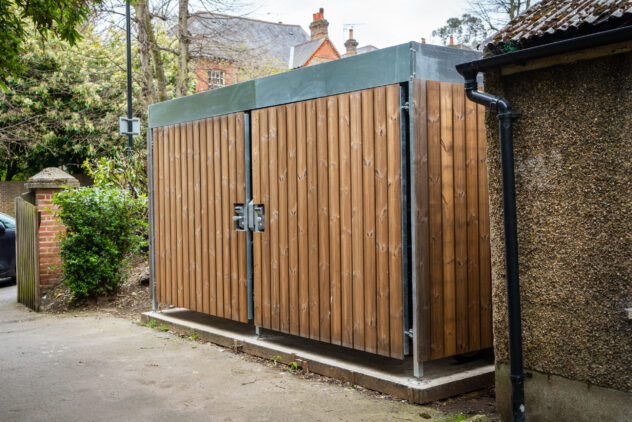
[(100, 368)]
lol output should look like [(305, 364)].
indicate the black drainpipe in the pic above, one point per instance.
[(506, 117)]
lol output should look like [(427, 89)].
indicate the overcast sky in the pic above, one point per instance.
[(380, 23)]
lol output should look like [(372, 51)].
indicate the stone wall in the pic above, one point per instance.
[(8, 192), (573, 154)]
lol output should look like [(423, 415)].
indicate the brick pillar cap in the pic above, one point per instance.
[(51, 178)]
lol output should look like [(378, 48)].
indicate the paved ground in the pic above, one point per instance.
[(100, 368)]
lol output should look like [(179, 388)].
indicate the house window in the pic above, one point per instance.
[(216, 78)]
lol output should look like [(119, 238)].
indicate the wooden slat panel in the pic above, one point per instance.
[(315, 201), (381, 222), (232, 194), (435, 228), (178, 205), (219, 244), (194, 187), (447, 215), (241, 236), (173, 224), (265, 238), (334, 220), (274, 220), (368, 205), (471, 164), (323, 219), (166, 191), (460, 219), (304, 268), (346, 260), (357, 221), (284, 300), (159, 212), (191, 215), (210, 198), (204, 252), (396, 309), (197, 194), (484, 246), (226, 217), (292, 209), (420, 217), (186, 263), (27, 253), (257, 199)]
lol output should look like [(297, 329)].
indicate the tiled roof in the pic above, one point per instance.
[(301, 52), (553, 20), (241, 39)]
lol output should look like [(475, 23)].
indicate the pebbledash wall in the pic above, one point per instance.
[(573, 161)]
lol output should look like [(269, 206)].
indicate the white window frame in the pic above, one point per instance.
[(216, 78)]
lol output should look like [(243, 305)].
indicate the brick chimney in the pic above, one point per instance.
[(351, 45), (319, 25)]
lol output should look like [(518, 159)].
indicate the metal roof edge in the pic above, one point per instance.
[(376, 68)]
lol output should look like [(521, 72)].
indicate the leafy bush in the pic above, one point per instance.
[(120, 171), (103, 226)]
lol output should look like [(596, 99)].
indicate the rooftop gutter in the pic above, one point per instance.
[(559, 47), (469, 71)]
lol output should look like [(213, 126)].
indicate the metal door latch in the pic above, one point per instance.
[(259, 219), (249, 216), (240, 218)]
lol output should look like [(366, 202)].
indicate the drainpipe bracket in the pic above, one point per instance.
[(513, 116), (521, 376)]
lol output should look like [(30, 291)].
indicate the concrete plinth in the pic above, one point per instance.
[(442, 378), (554, 398)]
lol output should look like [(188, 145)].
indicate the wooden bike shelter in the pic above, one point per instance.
[(345, 202)]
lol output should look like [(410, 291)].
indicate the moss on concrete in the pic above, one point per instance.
[(573, 153)]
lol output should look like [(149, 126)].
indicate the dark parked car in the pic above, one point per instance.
[(7, 246)]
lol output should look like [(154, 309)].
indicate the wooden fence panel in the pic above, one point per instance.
[(314, 171), (453, 277), (199, 173), (27, 253)]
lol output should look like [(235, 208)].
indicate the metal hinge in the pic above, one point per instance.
[(249, 216), (405, 106)]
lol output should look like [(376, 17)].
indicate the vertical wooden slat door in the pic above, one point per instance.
[(199, 174), (329, 264), (451, 217)]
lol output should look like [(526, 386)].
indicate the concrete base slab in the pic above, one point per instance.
[(442, 378)]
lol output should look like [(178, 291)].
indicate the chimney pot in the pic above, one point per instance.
[(319, 25), (351, 45), (451, 40), (423, 40)]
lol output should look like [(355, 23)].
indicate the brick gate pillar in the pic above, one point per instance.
[(44, 185)]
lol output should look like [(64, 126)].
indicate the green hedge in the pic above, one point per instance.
[(103, 227)]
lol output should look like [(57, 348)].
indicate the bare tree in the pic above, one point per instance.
[(485, 17), (182, 82), (497, 13)]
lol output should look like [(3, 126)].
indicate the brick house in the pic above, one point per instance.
[(231, 49)]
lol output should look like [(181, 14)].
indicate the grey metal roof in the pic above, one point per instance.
[(301, 52), (552, 20), (239, 39), (366, 49)]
